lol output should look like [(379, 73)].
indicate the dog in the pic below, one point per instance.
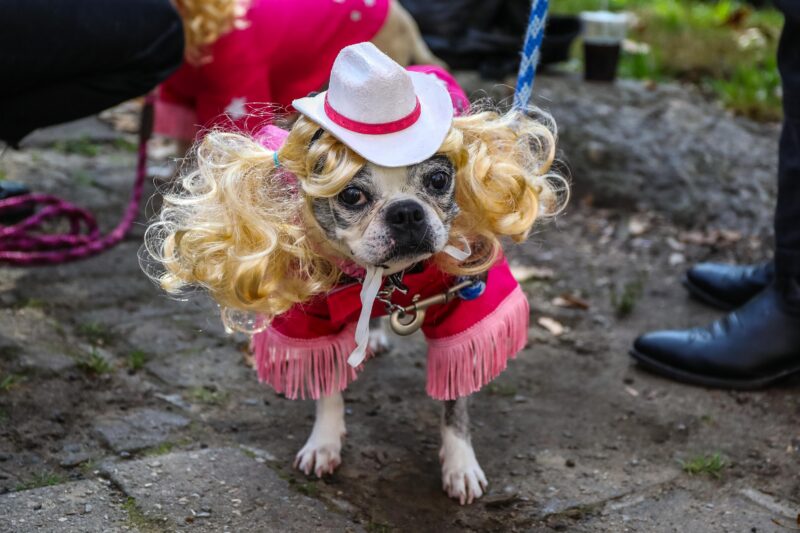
[(246, 57), (378, 196)]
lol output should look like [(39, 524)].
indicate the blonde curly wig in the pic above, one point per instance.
[(205, 21), (243, 229)]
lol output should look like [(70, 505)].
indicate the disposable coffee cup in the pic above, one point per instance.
[(603, 33)]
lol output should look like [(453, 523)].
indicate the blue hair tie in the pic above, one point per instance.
[(275, 159)]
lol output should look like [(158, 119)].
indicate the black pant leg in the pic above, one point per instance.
[(787, 212), (66, 59)]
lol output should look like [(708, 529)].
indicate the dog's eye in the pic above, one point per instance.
[(353, 196), (437, 182)]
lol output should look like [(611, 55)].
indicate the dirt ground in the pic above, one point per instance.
[(121, 409)]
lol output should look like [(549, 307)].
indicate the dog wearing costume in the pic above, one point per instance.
[(237, 63), (388, 195)]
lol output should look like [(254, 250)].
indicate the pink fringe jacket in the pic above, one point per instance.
[(303, 353)]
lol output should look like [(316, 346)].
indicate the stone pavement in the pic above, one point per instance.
[(124, 410)]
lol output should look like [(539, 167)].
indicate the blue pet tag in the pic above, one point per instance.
[(472, 291)]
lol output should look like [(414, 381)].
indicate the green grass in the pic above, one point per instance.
[(96, 333), (3, 416), (82, 146), (308, 489), (82, 178), (712, 465), (94, 364), (125, 145), (499, 389), (378, 527), (138, 520), (10, 381), (137, 359), (724, 47), (207, 396), (162, 449), (33, 303), (624, 302), (42, 479), (88, 467)]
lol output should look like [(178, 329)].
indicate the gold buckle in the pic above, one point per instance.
[(407, 320)]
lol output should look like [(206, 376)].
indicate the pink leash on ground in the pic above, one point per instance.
[(22, 245)]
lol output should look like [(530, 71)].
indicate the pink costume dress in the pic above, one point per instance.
[(303, 352), (285, 52)]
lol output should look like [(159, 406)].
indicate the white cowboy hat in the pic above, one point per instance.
[(388, 115)]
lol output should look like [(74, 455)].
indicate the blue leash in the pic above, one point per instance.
[(530, 54)]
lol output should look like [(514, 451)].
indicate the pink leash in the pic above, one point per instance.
[(21, 244)]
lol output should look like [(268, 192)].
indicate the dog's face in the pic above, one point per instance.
[(392, 217)]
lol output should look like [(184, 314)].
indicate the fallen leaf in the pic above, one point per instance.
[(738, 17), (524, 273), (570, 301), (711, 237), (786, 526), (676, 259), (730, 235), (638, 225), (675, 244), (553, 326)]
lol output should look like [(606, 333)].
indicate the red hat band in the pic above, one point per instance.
[(372, 129)]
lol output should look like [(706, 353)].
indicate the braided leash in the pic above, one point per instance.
[(21, 244), (530, 54)]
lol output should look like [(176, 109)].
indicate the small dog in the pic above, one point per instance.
[(377, 192)]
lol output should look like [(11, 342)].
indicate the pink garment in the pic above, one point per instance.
[(286, 52), (303, 353)]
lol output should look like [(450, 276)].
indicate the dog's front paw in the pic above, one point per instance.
[(322, 451), (462, 477), (320, 458)]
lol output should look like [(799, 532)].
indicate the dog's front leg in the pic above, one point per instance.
[(322, 451), (462, 477)]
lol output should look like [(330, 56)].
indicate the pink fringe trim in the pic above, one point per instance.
[(462, 364), (305, 367)]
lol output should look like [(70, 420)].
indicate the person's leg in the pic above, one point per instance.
[(64, 59), (759, 343), (787, 213)]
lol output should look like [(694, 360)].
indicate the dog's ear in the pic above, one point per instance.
[(234, 227), (503, 179)]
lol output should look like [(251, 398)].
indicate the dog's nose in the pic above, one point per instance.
[(406, 215)]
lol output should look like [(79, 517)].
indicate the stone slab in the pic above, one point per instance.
[(138, 429), (75, 507), (221, 489)]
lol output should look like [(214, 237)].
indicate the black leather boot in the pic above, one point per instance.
[(752, 347), (727, 287)]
